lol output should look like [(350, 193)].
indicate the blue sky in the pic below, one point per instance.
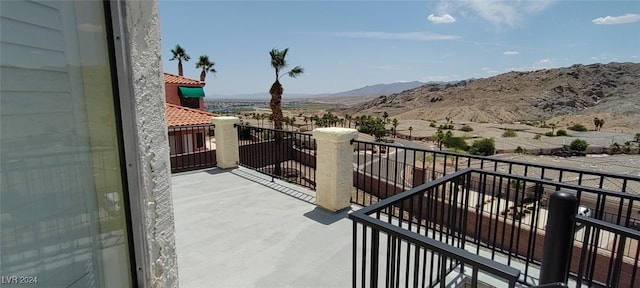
[(344, 45)]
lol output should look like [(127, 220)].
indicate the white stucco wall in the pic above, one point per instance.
[(143, 39)]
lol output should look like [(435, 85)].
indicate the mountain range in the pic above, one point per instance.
[(370, 90), (563, 96)]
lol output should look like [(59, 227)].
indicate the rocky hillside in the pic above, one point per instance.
[(575, 94)]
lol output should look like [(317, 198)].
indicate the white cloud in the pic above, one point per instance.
[(499, 12), (543, 64), (489, 71), (420, 36), (510, 53), (443, 19), (624, 19)]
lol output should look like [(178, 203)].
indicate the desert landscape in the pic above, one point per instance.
[(526, 113)]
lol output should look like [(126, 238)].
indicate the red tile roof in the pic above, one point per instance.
[(181, 80), (183, 116)]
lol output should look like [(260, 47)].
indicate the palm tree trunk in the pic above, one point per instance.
[(203, 75), (180, 67), (275, 104), (276, 109)]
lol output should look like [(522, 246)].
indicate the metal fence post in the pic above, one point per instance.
[(558, 241)]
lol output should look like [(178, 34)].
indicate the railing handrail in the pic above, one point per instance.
[(484, 264), (477, 157), (602, 191), (386, 202), (607, 226), (273, 129)]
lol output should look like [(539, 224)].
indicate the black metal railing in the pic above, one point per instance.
[(476, 211), (620, 253), (384, 169), (286, 155), (192, 147), (393, 249)]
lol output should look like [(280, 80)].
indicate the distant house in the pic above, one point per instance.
[(183, 91), (189, 129)]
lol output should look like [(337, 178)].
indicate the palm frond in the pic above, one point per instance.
[(179, 53), (295, 72)]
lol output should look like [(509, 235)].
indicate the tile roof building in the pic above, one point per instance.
[(178, 116), (183, 91), (181, 80)]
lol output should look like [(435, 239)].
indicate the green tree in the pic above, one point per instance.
[(441, 137), (372, 126), (394, 123), (410, 130), (385, 116), (206, 65), (483, 147), (181, 55), (578, 145), (279, 62), (598, 123), (457, 143)]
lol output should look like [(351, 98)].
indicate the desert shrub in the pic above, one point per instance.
[(466, 128), (578, 145), (520, 150), (615, 148), (561, 132), (578, 127), (432, 125), (483, 147), (509, 133), (549, 134), (446, 127), (537, 136), (456, 143)]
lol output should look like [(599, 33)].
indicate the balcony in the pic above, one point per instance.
[(481, 219), (237, 228)]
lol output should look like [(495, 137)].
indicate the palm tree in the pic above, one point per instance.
[(394, 122), (206, 65), (180, 55), (410, 130), (278, 62)]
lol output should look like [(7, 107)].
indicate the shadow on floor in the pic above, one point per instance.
[(327, 217), (267, 182)]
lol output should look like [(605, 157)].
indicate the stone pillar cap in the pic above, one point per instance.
[(335, 134), (225, 120)]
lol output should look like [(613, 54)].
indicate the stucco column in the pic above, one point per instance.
[(334, 167), (227, 155)]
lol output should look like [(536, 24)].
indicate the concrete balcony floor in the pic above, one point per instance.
[(237, 228)]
